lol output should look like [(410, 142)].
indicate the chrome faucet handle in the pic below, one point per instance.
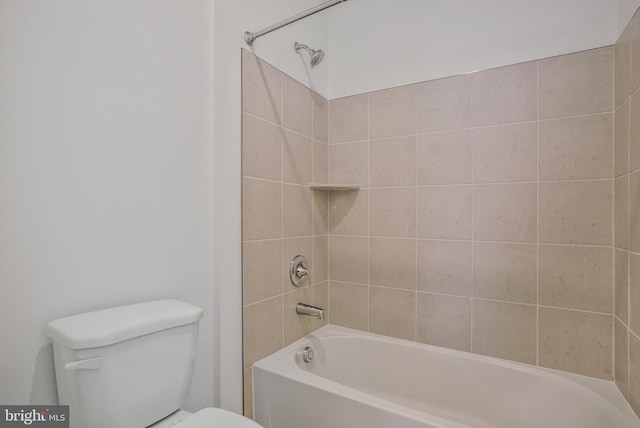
[(298, 270), (301, 271)]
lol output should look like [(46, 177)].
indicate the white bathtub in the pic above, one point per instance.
[(358, 379)]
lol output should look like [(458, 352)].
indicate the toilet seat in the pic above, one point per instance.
[(211, 417)]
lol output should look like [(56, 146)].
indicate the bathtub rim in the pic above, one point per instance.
[(277, 363)]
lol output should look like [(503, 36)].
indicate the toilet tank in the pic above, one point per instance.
[(125, 367)]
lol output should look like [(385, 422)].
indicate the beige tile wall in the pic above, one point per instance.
[(489, 209), (485, 218), (627, 213), (284, 148)]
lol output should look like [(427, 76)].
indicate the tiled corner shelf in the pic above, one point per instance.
[(341, 187)]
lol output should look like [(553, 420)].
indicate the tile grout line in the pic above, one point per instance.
[(550, 244), (328, 213), (613, 204), (473, 201), (628, 225), (459, 296), (469, 128), (537, 337), (281, 126), (314, 272), (242, 293), (415, 195), (368, 213), (499, 183), (282, 198), (613, 219)]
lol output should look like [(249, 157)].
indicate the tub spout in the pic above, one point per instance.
[(313, 311)]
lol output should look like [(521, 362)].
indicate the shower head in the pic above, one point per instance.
[(316, 55)]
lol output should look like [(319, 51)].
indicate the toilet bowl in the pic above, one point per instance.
[(131, 367)]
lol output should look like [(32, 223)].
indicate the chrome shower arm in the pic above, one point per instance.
[(315, 56)]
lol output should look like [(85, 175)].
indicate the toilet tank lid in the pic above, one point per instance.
[(109, 326)]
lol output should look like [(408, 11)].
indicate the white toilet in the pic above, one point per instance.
[(131, 366)]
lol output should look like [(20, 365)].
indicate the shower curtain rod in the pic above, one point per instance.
[(249, 37)]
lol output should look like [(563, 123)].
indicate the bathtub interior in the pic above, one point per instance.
[(454, 387), (466, 389)]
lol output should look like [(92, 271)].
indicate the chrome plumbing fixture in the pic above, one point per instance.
[(316, 55), (298, 270), (312, 311), (306, 354)]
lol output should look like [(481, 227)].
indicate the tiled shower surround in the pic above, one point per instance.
[(485, 220)]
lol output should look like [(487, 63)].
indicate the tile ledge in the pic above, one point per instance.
[(342, 187)]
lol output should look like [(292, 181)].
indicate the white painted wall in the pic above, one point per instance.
[(377, 44), (232, 19), (105, 172)]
